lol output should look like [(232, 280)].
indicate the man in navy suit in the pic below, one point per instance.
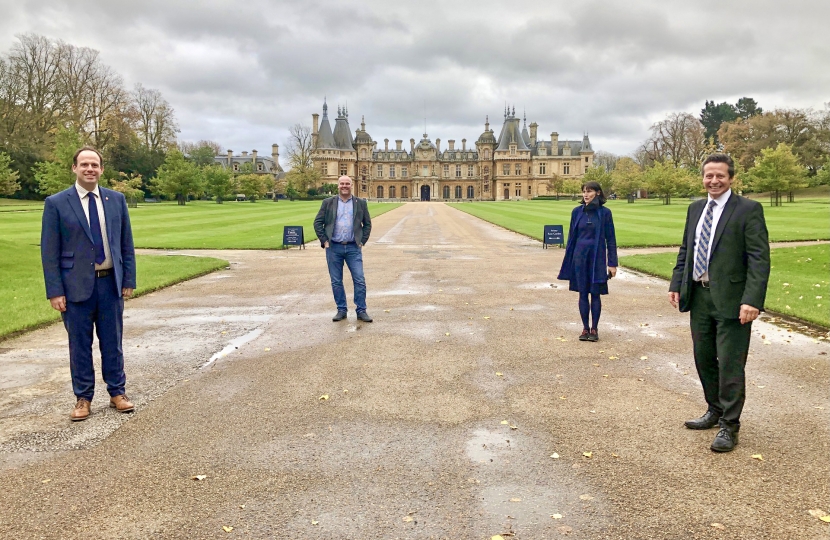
[(721, 277), (86, 246)]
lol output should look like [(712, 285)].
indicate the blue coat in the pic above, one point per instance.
[(606, 242), (66, 248)]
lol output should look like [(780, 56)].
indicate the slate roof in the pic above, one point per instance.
[(511, 133), (342, 132), (267, 162)]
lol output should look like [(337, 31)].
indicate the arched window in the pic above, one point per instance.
[(391, 192), (446, 192), (380, 192), (471, 192), (404, 192), (457, 192)]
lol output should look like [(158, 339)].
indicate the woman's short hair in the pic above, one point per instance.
[(594, 186)]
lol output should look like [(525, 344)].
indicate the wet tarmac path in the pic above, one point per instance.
[(467, 409)]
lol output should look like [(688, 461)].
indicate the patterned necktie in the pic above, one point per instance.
[(95, 229), (702, 253)]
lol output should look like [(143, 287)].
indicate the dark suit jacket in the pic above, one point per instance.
[(324, 222), (66, 244), (739, 265)]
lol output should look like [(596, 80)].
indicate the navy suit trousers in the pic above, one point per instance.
[(104, 310)]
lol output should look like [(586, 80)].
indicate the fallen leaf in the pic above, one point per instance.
[(46, 481), (314, 522), (613, 357), (324, 397), (406, 519), (497, 537), (267, 349), (644, 358), (386, 311), (586, 497), (498, 374), (614, 455), (759, 457), (227, 528), (817, 513), (762, 386), (446, 334), (562, 397), (199, 477), (718, 526), (554, 455), (606, 375), (505, 422), (556, 516), (825, 519), (514, 427), (587, 454), (767, 342), (515, 499), (486, 317), (242, 506)]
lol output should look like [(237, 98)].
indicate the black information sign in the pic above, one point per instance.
[(293, 236), (553, 235)]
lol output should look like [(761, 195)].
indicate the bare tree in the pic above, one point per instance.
[(301, 147), (606, 159), (157, 125), (678, 140), (187, 147)]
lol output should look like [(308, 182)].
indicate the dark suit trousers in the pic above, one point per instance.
[(721, 346), (103, 310)]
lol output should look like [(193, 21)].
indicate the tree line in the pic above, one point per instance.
[(778, 151), (53, 95)]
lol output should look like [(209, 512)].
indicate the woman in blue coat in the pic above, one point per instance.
[(590, 256)]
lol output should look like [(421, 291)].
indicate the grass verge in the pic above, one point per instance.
[(648, 222), (798, 285), (22, 293)]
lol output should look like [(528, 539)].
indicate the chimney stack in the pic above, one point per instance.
[(385, 145), (554, 144), (398, 143), (533, 127), (244, 153), (230, 157), (452, 144), (412, 145), (438, 145), (463, 145), (315, 120), (275, 153)]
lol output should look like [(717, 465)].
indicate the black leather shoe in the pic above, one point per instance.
[(339, 316), (593, 336), (584, 335), (725, 441), (707, 421), (363, 316)]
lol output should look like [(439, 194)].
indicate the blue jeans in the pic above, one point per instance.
[(352, 255)]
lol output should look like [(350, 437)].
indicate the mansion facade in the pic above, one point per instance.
[(516, 165)]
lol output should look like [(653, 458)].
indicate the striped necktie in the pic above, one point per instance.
[(702, 252)]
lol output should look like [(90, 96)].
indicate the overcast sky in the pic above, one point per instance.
[(242, 73)]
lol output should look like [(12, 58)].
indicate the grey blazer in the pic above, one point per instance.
[(324, 222)]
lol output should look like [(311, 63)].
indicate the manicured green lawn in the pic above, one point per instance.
[(798, 283), (197, 225), (23, 302), (648, 222)]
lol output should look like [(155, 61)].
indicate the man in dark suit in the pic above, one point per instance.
[(721, 277), (86, 246), (343, 226)]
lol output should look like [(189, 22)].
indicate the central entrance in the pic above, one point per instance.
[(425, 193)]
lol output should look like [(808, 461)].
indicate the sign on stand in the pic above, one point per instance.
[(553, 235), (292, 235)]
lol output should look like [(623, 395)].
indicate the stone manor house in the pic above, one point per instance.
[(516, 165)]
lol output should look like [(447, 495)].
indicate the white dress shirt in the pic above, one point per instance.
[(720, 204), (84, 195)]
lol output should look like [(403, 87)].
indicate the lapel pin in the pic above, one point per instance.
[(106, 198)]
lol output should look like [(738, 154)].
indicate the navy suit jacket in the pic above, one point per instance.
[(66, 244)]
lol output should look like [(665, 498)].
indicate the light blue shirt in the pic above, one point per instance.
[(344, 223)]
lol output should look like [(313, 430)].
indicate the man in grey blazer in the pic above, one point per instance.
[(721, 277), (86, 247), (343, 226)]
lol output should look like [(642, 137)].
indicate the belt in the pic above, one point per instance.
[(704, 284), (345, 243), (103, 273)]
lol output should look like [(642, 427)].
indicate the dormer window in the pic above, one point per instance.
[(236, 166), (512, 149), (543, 151), (259, 166)]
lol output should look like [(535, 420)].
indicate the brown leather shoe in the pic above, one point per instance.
[(121, 404), (81, 410)]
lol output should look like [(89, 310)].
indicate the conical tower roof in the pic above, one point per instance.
[(325, 138), (342, 131)]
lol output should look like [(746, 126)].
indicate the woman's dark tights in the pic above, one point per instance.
[(595, 308)]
